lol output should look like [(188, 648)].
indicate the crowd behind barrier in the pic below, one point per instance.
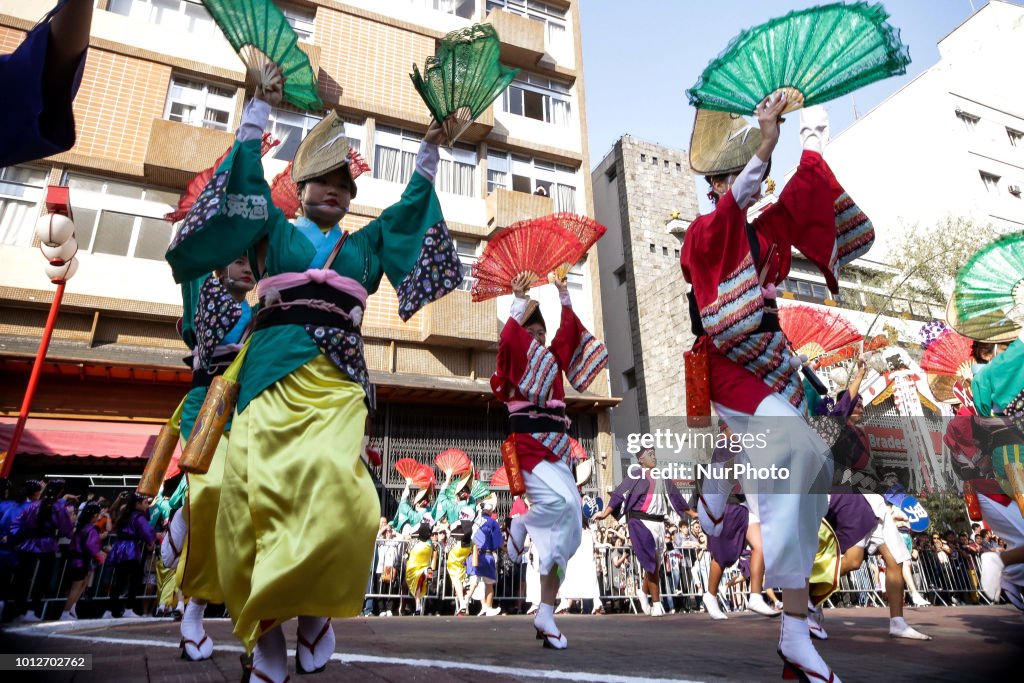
[(943, 575)]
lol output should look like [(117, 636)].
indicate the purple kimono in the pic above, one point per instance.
[(42, 536), (85, 546), (136, 533), (727, 547), (851, 517), (645, 512), (488, 539)]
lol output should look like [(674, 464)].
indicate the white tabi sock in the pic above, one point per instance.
[(645, 604), (192, 629), (309, 629), (545, 619), (270, 657)]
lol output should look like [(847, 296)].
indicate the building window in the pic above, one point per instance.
[(991, 182), (394, 154), (620, 275), (677, 254), (456, 173), (643, 157), (970, 121), (654, 160), (540, 98), (460, 8), (679, 167), (629, 380), (805, 289), (121, 219), (469, 252), (523, 174), (21, 192), (200, 104), (664, 251), (178, 15), (1016, 137), (289, 127), (301, 19), (654, 249), (611, 173)]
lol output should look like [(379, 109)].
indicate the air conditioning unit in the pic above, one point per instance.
[(1014, 189)]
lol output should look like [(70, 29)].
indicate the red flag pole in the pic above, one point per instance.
[(33, 381)]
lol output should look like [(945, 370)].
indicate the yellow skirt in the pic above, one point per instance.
[(166, 584), (298, 511), (457, 563), (416, 566), (198, 563), (824, 580)]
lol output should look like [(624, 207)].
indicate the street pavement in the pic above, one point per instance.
[(970, 644)]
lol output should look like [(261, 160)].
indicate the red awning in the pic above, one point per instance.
[(81, 438)]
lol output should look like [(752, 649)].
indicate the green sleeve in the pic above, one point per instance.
[(229, 217), (189, 303), (415, 250)]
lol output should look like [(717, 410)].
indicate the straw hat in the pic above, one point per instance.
[(325, 149), (722, 142), (584, 471)]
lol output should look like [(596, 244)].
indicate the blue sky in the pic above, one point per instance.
[(640, 56)]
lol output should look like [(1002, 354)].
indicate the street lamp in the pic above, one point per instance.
[(56, 233)]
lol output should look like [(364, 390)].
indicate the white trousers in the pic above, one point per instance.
[(555, 519), (1007, 524), (790, 520), (885, 532)]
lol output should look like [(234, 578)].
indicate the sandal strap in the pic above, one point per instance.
[(316, 641), (186, 641)]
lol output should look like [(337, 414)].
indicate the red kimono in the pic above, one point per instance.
[(749, 360), (528, 372)]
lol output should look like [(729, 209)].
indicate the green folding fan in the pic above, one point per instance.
[(813, 55), (462, 78), (988, 298), (261, 35)]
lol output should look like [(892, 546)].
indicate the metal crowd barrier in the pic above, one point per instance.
[(941, 580)]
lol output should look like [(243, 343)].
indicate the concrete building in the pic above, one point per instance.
[(160, 99), (951, 141), (646, 196)]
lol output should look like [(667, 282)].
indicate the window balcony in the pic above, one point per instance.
[(522, 40), (455, 320), (505, 207), (178, 151)]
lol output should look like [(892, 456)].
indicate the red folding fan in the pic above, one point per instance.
[(417, 475), (285, 193), (576, 450), (947, 360), (538, 246), (500, 478), (452, 461), (198, 184), (814, 332)]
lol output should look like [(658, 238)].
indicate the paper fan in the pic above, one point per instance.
[(285, 193), (462, 78), (931, 331), (988, 298), (587, 231), (260, 34), (198, 184), (947, 360), (576, 450), (410, 468), (500, 478), (480, 490), (425, 478), (538, 245), (452, 461), (814, 332), (813, 55)]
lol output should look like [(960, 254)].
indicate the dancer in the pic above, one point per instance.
[(460, 551), (45, 70), (41, 523), (305, 361), (216, 320), (482, 566), (528, 380), (420, 564), (409, 515), (86, 553), (134, 536), (997, 391), (733, 267), (645, 501)]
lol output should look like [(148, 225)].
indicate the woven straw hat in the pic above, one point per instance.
[(584, 471), (722, 142), (323, 150)]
